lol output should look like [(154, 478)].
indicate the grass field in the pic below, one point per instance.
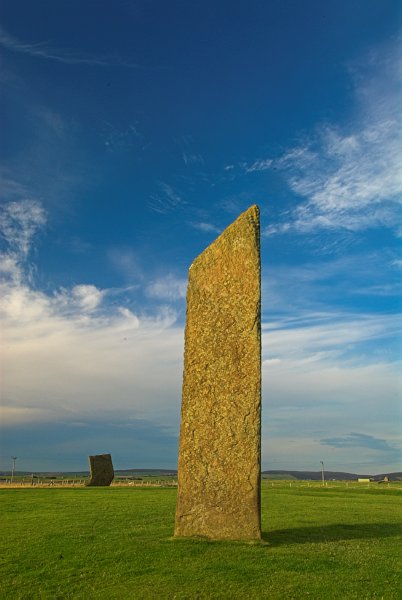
[(336, 542)]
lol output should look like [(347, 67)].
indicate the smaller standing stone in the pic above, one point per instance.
[(101, 470)]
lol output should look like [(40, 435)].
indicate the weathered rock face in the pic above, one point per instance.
[(101, 470), (220, 435)]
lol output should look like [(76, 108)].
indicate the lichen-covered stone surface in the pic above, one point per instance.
[(220, 434), (101, 470)]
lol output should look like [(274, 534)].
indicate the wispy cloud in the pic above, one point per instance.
[(321, 286), (166, 200), (190, 154), (127, 262), (19, 223), (92, 347), (259, 165), (205, 227), (46, 51), (10, 188), (327, 336), (92, 353), (83, 298), (359, 440), (122, 139), (235, 204), (349, 175), (168, 287), (192, 159), (351, 181)]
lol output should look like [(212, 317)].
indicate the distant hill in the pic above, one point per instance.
[(329, 475), (392, 476)]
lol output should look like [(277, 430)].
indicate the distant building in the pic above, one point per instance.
[(364, 480)]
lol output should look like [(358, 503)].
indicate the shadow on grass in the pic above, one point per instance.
[(330, 533)]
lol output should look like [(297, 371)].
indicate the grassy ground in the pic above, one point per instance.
[(322, 543)]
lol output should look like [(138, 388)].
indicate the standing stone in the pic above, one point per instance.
[(101, 470), (220, 435)]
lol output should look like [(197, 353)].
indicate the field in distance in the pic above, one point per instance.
[(334, 542)]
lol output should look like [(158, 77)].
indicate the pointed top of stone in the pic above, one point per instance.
[(244, 230)]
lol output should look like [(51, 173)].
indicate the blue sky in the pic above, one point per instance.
[(132, 134)]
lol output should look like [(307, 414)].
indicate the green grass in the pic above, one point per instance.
[(320, 543)]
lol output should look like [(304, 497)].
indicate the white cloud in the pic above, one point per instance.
[(270, 361), (314, 336), (88, 297), (350, 175), (168, 287), (65, 360), (84, 298), (19, 222), (351, 181), (9, 266), (73, 354)]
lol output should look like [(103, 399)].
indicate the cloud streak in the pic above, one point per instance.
[(205, 227), (19, 222), (351, 181), (359, 440), (314, 336), (166, 200), (168, 287), (45, 51)]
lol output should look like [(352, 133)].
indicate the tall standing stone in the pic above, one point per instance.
[(101, 470), (220, 435)]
